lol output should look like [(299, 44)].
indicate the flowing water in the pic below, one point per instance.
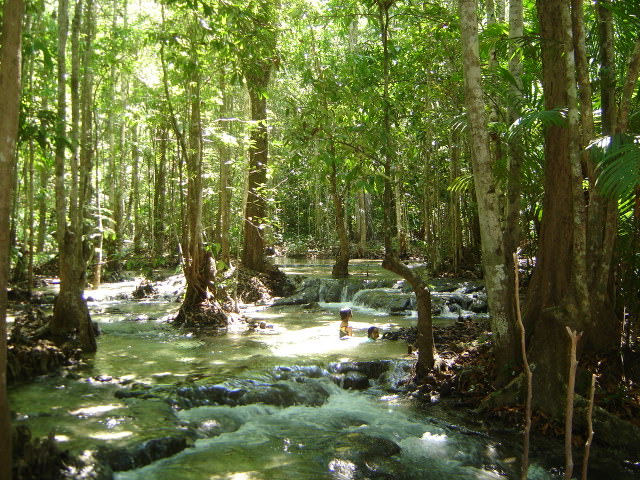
[(301, 423)]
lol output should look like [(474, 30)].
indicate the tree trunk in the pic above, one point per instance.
[(43, 174), (97, 272), (391, 261), (70, 313), (498, 268), (134, 202), (253, 256), (159, 193), (341, 266), (554, 299), (516, 153), (224, 189), (603, 332), (361, 223), (10, 72), (199, 307)]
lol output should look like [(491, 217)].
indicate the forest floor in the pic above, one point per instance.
[(462, 380)]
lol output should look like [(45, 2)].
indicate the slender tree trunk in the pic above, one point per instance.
[(361, 222), (498, 270), (633, 70), (159, 193), (603, 331), (516, 154), (97, 272), (10, 81), (454, 207), (224, 193), (134, 203), (391, 261), (43, 176)]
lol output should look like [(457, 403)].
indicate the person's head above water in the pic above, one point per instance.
[(373, 332), (345, 313)]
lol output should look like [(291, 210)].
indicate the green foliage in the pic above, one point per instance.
[(532, 120), (463, 183), (618, 164)]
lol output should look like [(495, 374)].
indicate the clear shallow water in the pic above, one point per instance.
[(334, 439)]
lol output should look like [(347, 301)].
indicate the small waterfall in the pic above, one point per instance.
[(344, 295), (322, 293)]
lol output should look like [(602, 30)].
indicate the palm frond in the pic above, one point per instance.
[(617, 160), (461, 184), (527, 122)]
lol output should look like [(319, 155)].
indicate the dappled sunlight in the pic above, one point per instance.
[(94, 411), (238, 476), (111, 435)]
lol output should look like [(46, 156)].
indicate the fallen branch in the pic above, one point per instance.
[(527, 370), (568, 421), (587, 445)]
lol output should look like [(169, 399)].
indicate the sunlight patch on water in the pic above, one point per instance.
[(93, 411), (111, 435), (238, 476)]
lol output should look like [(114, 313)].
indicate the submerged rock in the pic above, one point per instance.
[(361, 456), (371, 369), (351, 380), (144, 453)]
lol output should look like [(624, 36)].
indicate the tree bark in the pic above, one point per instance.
[(253, 256), (224, 188), (10, 82), (200, 306), (361, 222), (134, 202), (516, 153), (498, 270), (341, 266), (159, 194), (70, 313), (556, 295), (602, 333), (391, 261)]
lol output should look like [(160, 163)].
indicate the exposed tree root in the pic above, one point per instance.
[(30, 353)]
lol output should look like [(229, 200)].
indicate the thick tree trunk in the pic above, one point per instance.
[(10, 70), (199, 307), (556, 293), (253, 256), (70, 313), (497, 264)]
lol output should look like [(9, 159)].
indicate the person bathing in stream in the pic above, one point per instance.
[(373, 333), (345, 329)]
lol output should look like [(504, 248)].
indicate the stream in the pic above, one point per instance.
[(264, 403)]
